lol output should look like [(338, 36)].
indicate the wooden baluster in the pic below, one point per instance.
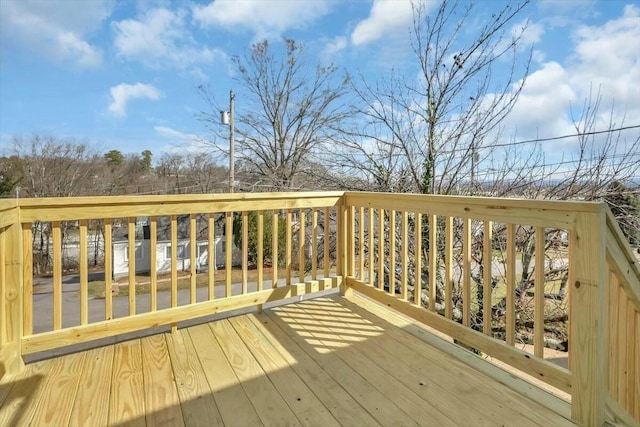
[(153, 262), (211, 255), (405, 254), (361, 243), (84, 274), (370, 251), (392, 252), (466, 272), (288, 247), (314, 244), (301, 243), (433, 265), (57, 276), (351, 240), (448, 267), (4, 321), (27, 274), (325, 245), (174, 261), (108, 269), (487, 278), (538, 328), (260, 260), (511, 285), (193, 246), (417, 290), (131, 252), (274, 249), (381, 243), (228, 244), (245, 252)]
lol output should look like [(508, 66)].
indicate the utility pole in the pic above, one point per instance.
[(473, 167), (232, 97), (226, 117)]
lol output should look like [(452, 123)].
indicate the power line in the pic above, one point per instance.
[(556, 138), (526, 141)]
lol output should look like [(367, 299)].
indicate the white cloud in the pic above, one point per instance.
[(267, 18), (608, 57), (160, 38), (386, 16), (605, 59), (57, 30), (179, 142), (123, 93), (531, 32), (333, 47)]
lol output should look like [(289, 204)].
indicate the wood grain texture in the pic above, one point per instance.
[(234, 405), (127, 401), (264, 397), (90, 404), (162, 405), (199, 407), (544, 371), (432, 356), (328, 391), (587, 277), (298, 396)]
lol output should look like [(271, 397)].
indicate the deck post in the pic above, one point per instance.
[(587, 318), (11, 300), (345, 220)]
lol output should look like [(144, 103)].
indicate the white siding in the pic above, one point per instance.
[(163, 256)]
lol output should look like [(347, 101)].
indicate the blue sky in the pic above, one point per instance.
[(123, 74)]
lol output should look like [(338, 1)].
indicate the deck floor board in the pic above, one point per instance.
[(321, 362)]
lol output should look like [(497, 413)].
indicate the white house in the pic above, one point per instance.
[(163, 256)]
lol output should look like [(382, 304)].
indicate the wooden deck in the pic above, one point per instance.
[(324, 362)]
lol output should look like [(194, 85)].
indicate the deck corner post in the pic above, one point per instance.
[(344, 244), (587, 357), (11, 298)]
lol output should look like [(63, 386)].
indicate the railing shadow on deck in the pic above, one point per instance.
[(338, 338)]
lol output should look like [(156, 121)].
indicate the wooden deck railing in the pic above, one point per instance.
[(457, 239), (480, 270), (195, 216)]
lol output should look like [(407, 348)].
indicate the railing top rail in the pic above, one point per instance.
[(171, 198), (485, 201), (74, 208), (540, 213)]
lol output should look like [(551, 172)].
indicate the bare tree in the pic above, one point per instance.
[(287, 113), (424, 136)]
